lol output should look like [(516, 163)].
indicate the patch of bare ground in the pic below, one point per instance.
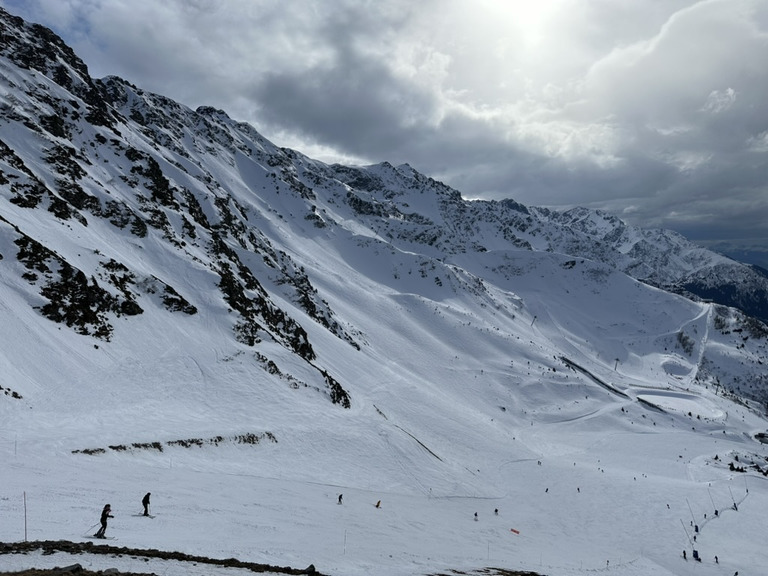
[(75, 548), (487, 572)]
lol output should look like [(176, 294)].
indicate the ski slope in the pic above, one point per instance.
[(485, 370), (474, 414)]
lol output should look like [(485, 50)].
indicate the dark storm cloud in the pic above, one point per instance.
[(353, 103)]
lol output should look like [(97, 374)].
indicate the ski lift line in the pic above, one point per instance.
[(693, 516), (406, 470), (686, 532), (571, 364), (419, 442), (651, 406)]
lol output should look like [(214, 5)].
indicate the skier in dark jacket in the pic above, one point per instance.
[(145, 503), (104, 515)]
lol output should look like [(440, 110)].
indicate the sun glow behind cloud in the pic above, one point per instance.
[(559, 102)]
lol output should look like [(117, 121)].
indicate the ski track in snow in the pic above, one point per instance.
[(589, 507), (461, 402)]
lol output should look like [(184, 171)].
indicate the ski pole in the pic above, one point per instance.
[(89, 529)]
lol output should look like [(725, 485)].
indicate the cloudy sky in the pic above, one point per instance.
[(655, 110)]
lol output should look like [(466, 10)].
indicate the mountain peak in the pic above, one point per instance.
[(174, 288), (35, 47)]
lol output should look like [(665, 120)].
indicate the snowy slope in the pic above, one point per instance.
[(247, 333)]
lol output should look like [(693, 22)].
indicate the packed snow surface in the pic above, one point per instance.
[(511, 404), (584, 479)]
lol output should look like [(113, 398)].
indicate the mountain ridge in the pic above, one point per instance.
[(249, 333), (81, 168)]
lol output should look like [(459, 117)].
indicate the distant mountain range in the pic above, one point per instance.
[(118, 204), (249, 333)]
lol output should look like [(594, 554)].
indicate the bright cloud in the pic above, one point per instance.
[(559, 102)]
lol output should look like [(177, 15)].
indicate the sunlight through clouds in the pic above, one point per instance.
[(556, 103)]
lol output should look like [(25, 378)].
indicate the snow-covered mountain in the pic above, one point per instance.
[(185, 304)]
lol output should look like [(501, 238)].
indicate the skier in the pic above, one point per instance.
[(378, 504), (105, 513), (340, 497), (475, 516), (696, 556), (145, 503), (685, 556), (496, 511)]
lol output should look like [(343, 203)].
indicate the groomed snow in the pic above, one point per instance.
[(591, 480), (460, 404), (553, 389)]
